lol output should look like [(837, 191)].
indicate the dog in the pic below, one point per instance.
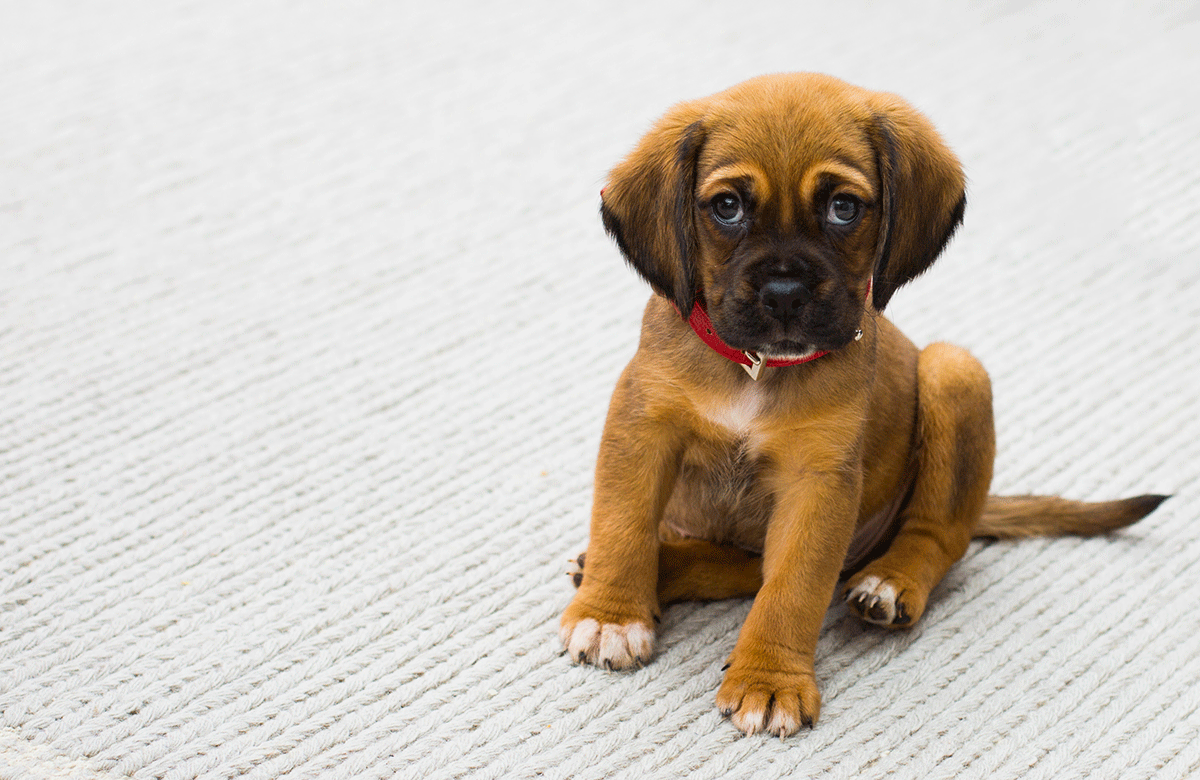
[(775, 435)]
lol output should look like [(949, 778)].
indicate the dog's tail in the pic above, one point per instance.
[(1013, 517)]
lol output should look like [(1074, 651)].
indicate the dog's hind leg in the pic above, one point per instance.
[(957, 450), (696, 570)]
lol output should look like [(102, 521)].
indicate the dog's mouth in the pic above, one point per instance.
[(754, 334), (823, 325), (787, 349)]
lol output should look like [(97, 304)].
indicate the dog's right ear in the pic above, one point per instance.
[(648, 205), (924, 194)]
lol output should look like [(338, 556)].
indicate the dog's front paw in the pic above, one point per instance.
[(611, 639), (884, 601), (773, 700)]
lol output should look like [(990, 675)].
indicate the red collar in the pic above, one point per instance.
[(748, 360)]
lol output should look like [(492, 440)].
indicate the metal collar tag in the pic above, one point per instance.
[(755, 367)]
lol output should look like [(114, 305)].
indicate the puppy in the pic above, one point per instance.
[(774, 433)]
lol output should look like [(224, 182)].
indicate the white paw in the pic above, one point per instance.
[(877, 601), (775, 719), (608, 644), (749, 720), (783, 722)]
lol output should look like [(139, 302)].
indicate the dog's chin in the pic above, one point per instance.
[(788, 350), (807, 344), (750, 332)]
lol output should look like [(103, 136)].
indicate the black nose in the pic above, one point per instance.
[(783, 298)]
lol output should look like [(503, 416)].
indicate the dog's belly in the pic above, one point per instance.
[(720, 496)]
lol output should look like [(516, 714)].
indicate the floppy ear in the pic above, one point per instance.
[(924, 194), (648, 205)]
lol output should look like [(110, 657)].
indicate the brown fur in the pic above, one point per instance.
[(876, 445)]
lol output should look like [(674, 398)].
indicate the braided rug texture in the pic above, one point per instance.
[(307, 331)]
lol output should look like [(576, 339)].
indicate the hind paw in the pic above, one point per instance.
[(884, 601), (576, 574)]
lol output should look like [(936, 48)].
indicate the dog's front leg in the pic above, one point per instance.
[(770, 684), (610, 622)]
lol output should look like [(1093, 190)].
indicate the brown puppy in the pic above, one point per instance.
[(770, 408)]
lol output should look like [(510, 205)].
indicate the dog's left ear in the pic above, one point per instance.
[(924, 194), (648, 205)]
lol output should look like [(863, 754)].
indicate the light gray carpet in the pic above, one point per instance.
[(307, 330)]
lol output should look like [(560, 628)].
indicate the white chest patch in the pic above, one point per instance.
[(739, 414)]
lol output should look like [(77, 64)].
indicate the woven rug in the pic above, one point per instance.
[(308, 327)]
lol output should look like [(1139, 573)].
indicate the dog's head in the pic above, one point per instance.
[(780, 202)]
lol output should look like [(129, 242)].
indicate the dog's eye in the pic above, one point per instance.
[(728, 210), (843, 210)]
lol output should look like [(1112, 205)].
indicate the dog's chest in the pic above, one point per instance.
[(719, 494), (738, 415)]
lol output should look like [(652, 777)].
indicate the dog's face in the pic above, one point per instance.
[(778, 204)]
